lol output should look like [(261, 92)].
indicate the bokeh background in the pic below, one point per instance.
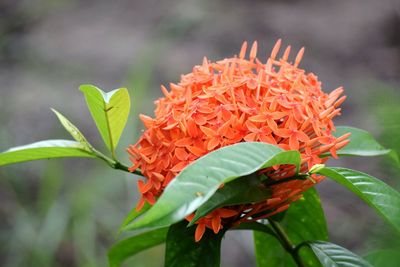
[(67, 212)]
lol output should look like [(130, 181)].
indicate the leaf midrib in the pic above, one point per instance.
[(109, 129)]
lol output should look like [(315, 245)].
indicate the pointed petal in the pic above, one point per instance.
[(144, 187), (200, 229), (216, 224), (212, 144), (293, 142), (184, 142), (226, 213), (302, 136), (208, 131), (251, 137), (178, 167), (140, 204), (181, 153), (258, 118), (196, 151), (283, 132)]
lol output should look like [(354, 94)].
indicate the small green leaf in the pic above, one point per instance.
[(44, 150), (384, 199), (182, 250), (331, 255), (130, 246), (199, 181), (73, 130), (303, 221), (362, 143), (247, 189), (109, 111), (384, 258)]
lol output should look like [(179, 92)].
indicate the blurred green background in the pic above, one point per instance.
[(67, 212)]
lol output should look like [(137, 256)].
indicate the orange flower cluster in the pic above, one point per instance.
[(238, 100)]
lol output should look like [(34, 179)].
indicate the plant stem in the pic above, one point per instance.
[(120, 166), (300, 176), (114, 163), (286, 243)]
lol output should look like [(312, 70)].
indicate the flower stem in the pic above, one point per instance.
[(286, 243)]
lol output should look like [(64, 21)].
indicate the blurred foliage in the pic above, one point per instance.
[(68, 211), (77, 204), (387, 117), (17, 18)]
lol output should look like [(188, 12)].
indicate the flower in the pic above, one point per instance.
[(237, 100)]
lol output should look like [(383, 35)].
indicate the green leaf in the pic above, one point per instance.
[(199, 181), (44, 150), (378, 195), (270, 253), (303, 221), (247, 189), (109, 111), (135, 244), (331, 255), (268, 250), (182, 250), (73, 130), (133, 214), (384, 258), (362, 143)]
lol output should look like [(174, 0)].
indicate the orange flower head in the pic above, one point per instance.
[(235, 100)]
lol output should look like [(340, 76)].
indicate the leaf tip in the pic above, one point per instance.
[(84, 88), (55, 112)]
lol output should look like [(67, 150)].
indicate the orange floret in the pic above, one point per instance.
[(237, 100)]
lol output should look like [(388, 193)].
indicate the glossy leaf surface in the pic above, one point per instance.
[(133, 214), (130, 246), (44, 150), (303, 221), (200, 180), (331, 255), (182, 250), (384, 199), (247, 189), (270, 253), (109, 110), (362, 143)]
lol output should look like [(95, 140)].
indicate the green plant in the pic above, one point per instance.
[(230, 185)]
